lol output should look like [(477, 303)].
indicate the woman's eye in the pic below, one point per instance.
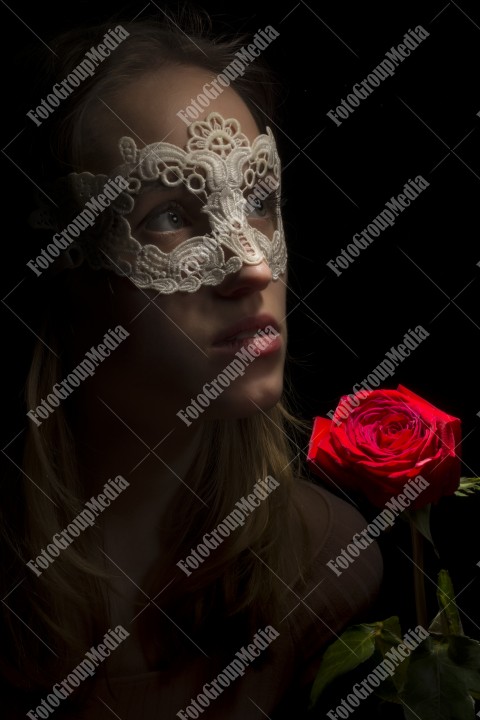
[(257, 209), (166, 220), (267, 207)]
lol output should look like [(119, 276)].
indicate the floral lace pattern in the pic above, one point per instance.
[(220, 167)]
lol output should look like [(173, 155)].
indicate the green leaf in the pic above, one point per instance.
[(446, 601), (390, 635), (439, 624), (465, 652), (436, 687), (468, 486), (388, 692), (421, 519), (352, 648)]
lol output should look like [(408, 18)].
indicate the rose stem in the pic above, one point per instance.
[(418, 576)]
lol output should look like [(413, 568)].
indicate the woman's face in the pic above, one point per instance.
[(177, 342)]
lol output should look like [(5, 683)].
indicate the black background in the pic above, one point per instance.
[(425, 120)]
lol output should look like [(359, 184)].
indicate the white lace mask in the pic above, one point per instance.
[(222, 171)]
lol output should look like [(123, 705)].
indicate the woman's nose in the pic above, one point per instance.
[(249, 279)]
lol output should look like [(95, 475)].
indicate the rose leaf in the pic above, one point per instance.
[(450, 617), (352, 648), (421, 519), (436, 688), (468, 486), (465, 652)]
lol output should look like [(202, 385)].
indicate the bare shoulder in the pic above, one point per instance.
[(335, 591), (332, 522)]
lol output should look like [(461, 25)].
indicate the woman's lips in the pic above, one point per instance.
[(264, 343), (247, 327)]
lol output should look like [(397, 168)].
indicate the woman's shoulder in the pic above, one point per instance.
[(343, 573), (331, 521)]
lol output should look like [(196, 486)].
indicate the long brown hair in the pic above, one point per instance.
[(64, 610)]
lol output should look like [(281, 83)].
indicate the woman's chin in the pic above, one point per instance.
[(245, 402)]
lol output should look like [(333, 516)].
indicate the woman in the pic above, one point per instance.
[(163, 524)]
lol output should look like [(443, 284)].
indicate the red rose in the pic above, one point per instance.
[(390, 437)]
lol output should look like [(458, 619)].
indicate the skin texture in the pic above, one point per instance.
[(129, 406), (170, 356)]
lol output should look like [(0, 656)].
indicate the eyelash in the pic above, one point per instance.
[(273, 203), (170, 206)]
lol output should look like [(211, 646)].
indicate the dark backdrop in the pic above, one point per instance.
[(425, 120)]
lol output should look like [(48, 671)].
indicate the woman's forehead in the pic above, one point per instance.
[(157, 108)]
